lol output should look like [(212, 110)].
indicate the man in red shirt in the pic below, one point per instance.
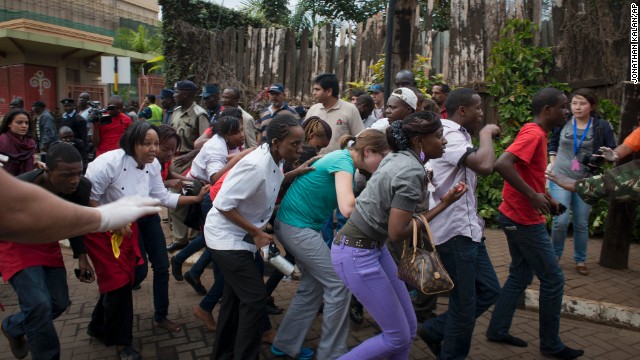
[(107, 131), (36, 271), (522, 217)]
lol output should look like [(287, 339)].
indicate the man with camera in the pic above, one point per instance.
[(108, 125)]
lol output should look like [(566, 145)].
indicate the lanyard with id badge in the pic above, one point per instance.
[(575, 164)]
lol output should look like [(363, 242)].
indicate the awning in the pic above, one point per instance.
[(23, 42)]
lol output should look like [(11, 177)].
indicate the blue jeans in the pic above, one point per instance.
[(327, 228), (214, 294), (43, 296), (531, 252), (581, 212), (476, 289), (372, 276), (153, 245), (194, 246)]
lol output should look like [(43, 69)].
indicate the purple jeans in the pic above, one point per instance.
[(372, 276)]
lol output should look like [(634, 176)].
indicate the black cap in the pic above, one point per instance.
[(68, 101), (185, 85)]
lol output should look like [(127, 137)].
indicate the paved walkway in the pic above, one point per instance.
[(194, 342)]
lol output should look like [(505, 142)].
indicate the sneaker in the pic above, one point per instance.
[(195, 284), (129, 353), (176, 269), (18, 346), (305, 353)]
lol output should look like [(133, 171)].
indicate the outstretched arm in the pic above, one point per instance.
[(26, 216)]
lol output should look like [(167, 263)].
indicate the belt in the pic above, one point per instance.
[(357, 243)]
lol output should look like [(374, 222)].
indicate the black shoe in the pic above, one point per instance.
[(195, 284), (176, 269), (18, 346), (129, 353), (511, 340), (567, 353), (96, 335), (356, 313), (175, 247), (434, 346), (272, 309)]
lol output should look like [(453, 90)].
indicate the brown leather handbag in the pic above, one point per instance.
[(422, 268)]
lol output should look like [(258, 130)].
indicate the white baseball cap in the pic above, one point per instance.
[(407, 95)]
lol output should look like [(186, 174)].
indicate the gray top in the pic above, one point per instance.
[(398, 183), (565, 155)]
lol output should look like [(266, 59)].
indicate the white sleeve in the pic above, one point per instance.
[(101, 173), (157, 190), (242, 183)]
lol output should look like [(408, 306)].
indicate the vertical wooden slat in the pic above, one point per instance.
[(278, 57), (350, 51), (290, 61), (322, 56), (314, 51), (341, 58), (263, 47), (358, 54), (240, 69), (254, 56), (302, 72)]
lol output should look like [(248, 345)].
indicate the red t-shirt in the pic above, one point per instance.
[(215, 188), (110, 133), (165, 170), (530, 146)]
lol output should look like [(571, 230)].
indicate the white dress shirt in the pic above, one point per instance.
[(115, 174), (461, 217), (211, 158), (251, 187)]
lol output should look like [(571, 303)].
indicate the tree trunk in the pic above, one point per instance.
[(617, 230)]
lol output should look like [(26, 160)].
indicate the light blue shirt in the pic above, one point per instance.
[(312, 196)]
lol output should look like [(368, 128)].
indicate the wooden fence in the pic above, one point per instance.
[(253, 58)]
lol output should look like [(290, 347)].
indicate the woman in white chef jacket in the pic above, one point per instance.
[(233, 233), (131, 170)]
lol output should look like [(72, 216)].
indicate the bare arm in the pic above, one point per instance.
[(344, 192), (400, 227), (201, 140), (505, 167), (482, 161), (188, 200)]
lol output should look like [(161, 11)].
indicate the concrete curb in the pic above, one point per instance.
[(596, 311)]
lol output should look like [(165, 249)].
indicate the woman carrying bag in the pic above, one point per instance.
[(385, 209)]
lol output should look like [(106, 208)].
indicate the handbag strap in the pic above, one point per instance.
[(425, 223)]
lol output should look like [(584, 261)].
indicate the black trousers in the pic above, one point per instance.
[(112, 318), (243, 309)]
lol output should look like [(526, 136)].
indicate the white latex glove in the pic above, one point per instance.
[(125, 211), (609, 154)]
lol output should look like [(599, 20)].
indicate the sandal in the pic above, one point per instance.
[(168, 325)]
